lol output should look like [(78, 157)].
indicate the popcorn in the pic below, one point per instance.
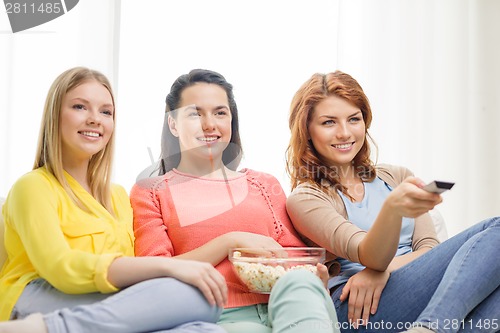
[(261, 278)]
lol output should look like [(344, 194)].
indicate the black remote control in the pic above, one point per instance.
[(438, 186)]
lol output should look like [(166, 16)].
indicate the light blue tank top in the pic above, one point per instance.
[(363, 214)]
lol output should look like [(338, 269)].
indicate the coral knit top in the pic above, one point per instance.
[(176, 213)]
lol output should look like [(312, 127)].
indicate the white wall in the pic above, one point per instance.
[(429, 67)]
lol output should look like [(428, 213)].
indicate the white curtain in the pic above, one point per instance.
[(429, 68), (431, 71), (29, 63)]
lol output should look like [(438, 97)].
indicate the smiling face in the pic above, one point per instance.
[(86, 122), (337, 131), (202, 123)]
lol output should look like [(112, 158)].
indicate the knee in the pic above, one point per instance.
[(491, 222), (299, 279)]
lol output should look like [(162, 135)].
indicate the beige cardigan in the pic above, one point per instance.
[(322, 217)]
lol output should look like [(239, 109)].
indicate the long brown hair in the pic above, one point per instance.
[(49, 150), (303, 162)]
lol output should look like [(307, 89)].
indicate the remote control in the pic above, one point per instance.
[(438, 186)]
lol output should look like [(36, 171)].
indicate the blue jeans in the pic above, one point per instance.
[(157, 305), (452, 288)]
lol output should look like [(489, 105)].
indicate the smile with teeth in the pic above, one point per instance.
[(208, 139), (92, 134), (343, 145)]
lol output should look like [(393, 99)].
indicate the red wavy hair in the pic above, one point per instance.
[(303, 162)]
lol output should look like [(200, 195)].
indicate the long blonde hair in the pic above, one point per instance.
[(49, 150), (303, 162)]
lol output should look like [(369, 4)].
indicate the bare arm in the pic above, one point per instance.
[(424, 239), (217, 249), (377, 249), (126, 271), (402, 260), (379, 245)]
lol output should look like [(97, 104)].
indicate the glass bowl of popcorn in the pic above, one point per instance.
[(259, 268)]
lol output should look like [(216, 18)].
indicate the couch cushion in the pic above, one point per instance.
[(441, 230)]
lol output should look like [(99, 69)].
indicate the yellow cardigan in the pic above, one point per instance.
[(47, 235)]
